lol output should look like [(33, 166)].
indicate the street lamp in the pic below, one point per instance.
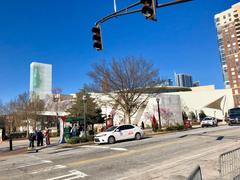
[(84, 98), (159, 114)]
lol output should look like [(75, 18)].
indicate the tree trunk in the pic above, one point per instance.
[(127, 119)]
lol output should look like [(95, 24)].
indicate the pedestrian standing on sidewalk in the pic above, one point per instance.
[(74, 130), (39, 138), (81, 131), (142, 125), (31, 139), (46, 135)]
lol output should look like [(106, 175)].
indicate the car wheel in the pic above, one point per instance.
[(138, 136), (202, 126), (229, 124), (111, 140)]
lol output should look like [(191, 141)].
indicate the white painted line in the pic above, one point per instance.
[(119, 149), (48, 169), (100, 147), (76, 174), (106, 147)]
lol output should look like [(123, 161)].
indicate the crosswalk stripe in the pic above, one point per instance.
[(76, 174)]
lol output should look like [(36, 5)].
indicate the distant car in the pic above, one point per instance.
[(233, 116), (187, 124), (209, 121), (118, 133)]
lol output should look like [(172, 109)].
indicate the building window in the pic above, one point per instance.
[(235, 91), (233, 73)]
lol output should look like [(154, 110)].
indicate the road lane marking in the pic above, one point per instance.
[(98, 147), (50, 168), (119, 149), (130, 152), (105, 147), (74, 174)]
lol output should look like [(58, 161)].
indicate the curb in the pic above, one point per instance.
[(168, 132)]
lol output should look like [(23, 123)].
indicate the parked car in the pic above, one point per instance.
[(187, 124), (118, 133), (209, 121)]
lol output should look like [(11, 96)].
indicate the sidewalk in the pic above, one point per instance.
[(20, 146)]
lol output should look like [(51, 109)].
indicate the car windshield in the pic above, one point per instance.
[(111, 128)]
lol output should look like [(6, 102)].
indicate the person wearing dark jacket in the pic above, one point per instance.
[(32, 137), (39, 138)]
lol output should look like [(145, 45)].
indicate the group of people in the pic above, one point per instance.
[(76, 130), (39, 136)]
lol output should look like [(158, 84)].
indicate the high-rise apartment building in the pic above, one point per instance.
[(41, 79), (228, 33), (183, 80)]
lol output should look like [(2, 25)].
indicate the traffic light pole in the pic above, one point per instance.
[(148, 10), (124, 11)]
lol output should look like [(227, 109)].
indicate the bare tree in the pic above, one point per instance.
[(126, 81), (27, 109), (9, 116)]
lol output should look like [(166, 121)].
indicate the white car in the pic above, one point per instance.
[(118, 133), (209, 121)]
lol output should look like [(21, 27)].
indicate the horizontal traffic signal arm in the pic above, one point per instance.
[(125, 11)]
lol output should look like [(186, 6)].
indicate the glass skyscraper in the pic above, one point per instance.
[(183, 80)]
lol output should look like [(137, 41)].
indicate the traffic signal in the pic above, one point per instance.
[(149, 9), (97, 38)]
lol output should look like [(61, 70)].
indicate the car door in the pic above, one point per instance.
[(130, 133), (119, 133)]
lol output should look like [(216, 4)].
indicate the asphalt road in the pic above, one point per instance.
[(170, 156)]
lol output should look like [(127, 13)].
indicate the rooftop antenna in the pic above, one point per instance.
[(115, 5)]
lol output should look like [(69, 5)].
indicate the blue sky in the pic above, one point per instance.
[(59, 32)]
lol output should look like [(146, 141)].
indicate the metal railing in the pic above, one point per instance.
[(196, 174), (229, 164)]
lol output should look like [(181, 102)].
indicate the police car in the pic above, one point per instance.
[(118, 133)]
